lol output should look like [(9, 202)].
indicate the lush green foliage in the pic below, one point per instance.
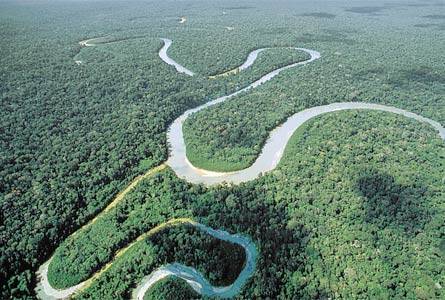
[(231, 156), (150, 204), (355, 66), (229, 136), (171, 288), (376, 214), (155, 201), (347, 211), (219, 261), (72, 136)]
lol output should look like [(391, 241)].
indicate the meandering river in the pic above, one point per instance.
[(274, 147), (268, 160)]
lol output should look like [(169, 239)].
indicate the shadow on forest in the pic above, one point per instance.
[(388, 203), (403, 78), (433, 26), (190, 246), (319, 15), (422, 74), (238, 7), (252, 213), (367, 10), (434, 17), (442, 247), (366, 74), (401, 4), (414, 4), (331, 36), (274, 31)]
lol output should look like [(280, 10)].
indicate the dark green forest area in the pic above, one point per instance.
[(171, 289), (352, 211)]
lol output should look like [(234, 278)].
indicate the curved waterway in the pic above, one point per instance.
[(274, 147), (164, 56), (44, 290), (195, 279), (268, 160), (251, 58)]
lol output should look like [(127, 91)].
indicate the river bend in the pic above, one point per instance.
[(268, 160)]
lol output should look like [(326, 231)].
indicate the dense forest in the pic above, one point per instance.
[(329, 222), (226, 138), (73, 135), (171, 289)]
